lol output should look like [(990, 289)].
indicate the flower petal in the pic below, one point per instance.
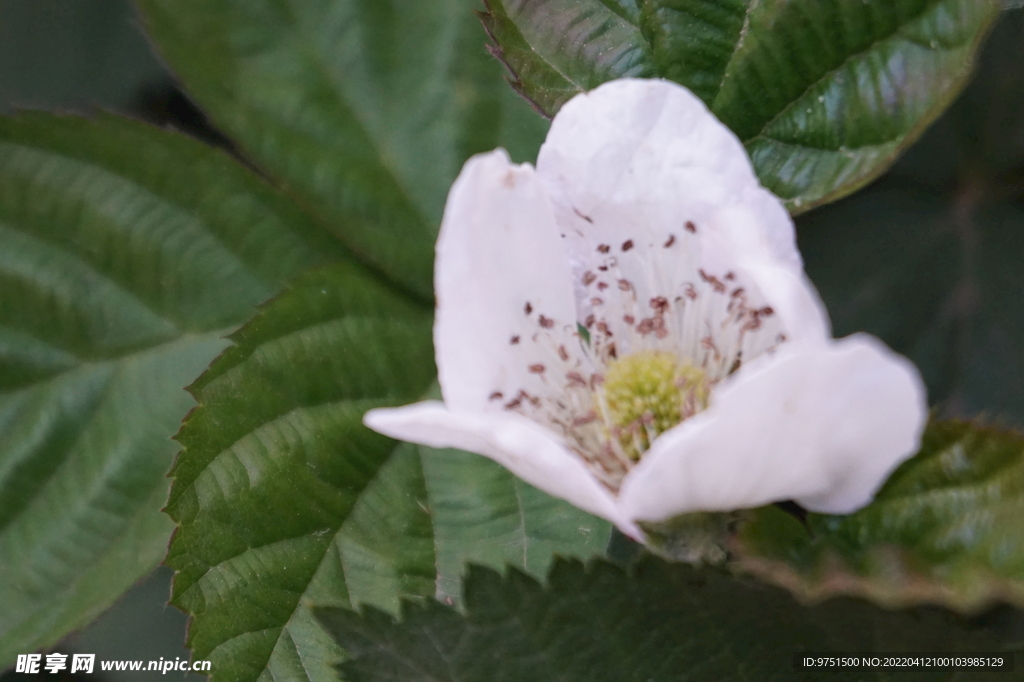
[(652, 148), (503, 286), (824, 426), (791, 294), (523, 447), (663, 213)]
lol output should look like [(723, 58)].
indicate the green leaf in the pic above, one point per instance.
[(825, 95), (283, 498), (665, 623), (365, 109), (483, 513), (127, 252), (945, 528), (928, 258)]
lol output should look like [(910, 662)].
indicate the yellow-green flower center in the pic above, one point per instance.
[(648, 393)]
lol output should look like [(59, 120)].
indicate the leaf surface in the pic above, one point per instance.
[(664, 623), (945, 528), (283, 498), (364, 109), (127, 254)]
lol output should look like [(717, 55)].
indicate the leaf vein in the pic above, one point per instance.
[(894, 34)]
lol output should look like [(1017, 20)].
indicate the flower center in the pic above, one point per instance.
[(647, 393)]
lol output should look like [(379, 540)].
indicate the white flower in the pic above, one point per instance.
[(628, 327)]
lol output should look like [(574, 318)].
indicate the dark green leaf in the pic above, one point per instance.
[(366, 109), (127, 254), (665, 623), (825, 95), (283, 498), (945, 528)]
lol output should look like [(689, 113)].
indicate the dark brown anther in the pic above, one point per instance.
[(528, 308), (659, 304), (601, 286), (588, 418), (546, 322), (514, 340), (497, 395), (628, 319), (671, 241), (588, 278), (690, 227), (589, 322), (537, 368), (576, 379), (627, 245), (603, 248), (715, 283)]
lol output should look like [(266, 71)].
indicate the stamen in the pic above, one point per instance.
[(643, 359)]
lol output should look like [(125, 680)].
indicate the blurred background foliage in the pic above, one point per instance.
[(929, 257), (61, 54)]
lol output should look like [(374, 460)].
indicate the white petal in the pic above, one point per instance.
[(801, 311), (821, 425), (503, 286), (657, 197), (526, 449), (650, 155)]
